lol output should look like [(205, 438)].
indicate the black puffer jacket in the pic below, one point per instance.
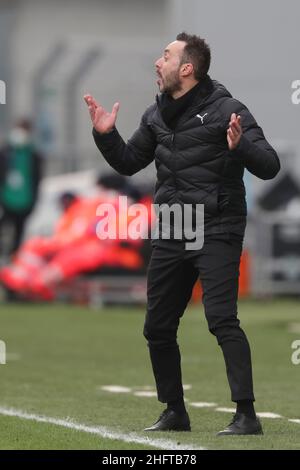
[(193, 162)]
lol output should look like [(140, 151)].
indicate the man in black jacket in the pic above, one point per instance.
[(202, 139)]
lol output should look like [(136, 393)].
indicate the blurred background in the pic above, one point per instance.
[(51, 54)]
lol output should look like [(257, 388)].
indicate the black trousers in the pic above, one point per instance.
[(16, 222), (172, 273)]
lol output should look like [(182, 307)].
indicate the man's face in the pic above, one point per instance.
[(168, 68)]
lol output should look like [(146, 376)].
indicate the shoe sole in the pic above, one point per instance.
[(256, 433), (167, 430)]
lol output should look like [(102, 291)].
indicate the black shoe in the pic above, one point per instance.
[(171, 421), (241, 425)]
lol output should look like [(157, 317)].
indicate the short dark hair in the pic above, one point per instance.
[(197, 52)]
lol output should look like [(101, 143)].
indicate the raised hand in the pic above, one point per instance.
[(234, 131), (102, 120)]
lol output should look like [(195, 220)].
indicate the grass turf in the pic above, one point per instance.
[(59, 356)]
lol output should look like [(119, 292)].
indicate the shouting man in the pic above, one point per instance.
[(202, 139)]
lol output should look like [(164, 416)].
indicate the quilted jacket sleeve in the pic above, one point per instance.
[(131, 157), (257, 155)]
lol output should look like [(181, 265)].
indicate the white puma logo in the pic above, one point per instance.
[(201, 117)]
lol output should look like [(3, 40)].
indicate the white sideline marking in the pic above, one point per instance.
[(116, 389), (186, 387), (202, 404), (262, 414), (294, 421), (121, 389), (102, 431), (226, 410), (267, 414), (144, 393)]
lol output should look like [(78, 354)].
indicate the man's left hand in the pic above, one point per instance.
[(234, 131)]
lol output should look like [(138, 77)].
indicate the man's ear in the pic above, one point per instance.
[(187, 69)]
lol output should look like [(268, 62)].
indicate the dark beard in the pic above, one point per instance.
[(172, 109), (173, 84)]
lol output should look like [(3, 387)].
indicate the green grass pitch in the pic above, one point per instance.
[(59, 357)]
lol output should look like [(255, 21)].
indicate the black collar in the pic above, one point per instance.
[(172, 109)]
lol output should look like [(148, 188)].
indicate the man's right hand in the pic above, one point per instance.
[(103, 121)]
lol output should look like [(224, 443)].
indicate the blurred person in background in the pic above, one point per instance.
[(43, 263), (202, 139), (20, 175)]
